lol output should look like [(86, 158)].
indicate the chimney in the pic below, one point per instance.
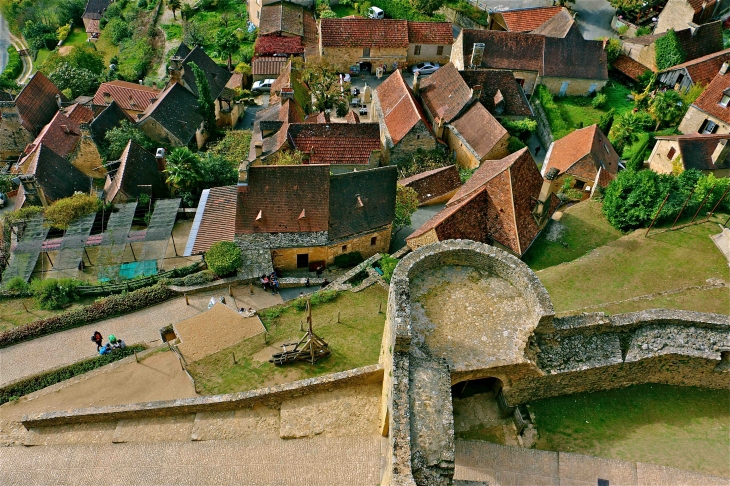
[(498, 102), (160, 158), (259, 147), (176, 69), (477, 54), (327, 117), (723, 68), (65, 129), (476, 92), (58, 101), (107, 98), (287, 93), (542, 207), (693, 28), (131, 101), (416, 85), (139, 116), (152, 100), (721, 151)]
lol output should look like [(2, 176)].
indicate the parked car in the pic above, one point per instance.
[(261, 86), (3, 199), (426, 67), (376, 13)]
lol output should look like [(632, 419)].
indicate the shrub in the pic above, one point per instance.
[(558, 125), (14, 66), (117, 30), (599, 100), (17, 284), (43, 380), (224, 258), (668, 51), (622, 30), (646, 30), (514, 144), (61, 213), (316, 298), (199, 278), (104, 308), (521, 129), (465, 174), (387, 265), (55, 294), (348, 259), (606, 121)]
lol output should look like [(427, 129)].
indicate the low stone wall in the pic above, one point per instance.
[(459, 18), (216, 403), (544, 133)]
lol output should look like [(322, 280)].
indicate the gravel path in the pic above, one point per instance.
[(67, 347)]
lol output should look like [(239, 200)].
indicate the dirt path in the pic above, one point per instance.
[(167, 18)]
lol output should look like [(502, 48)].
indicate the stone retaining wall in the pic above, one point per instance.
[(459, 18), (544, 133)]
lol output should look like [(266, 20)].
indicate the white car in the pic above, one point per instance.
[(376, 13), (426, 67), (261, 86)]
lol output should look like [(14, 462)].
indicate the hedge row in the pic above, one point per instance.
[(558, 125), (39, 382), (15, 65), (111, 306)]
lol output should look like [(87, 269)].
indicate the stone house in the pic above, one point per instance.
[(568, 65), (299, 216), (695, 42), (472, 134), (699, 71), (255, 8), (93, 13), (404, 128), (110, 117), (173, 119), (710, 113), (136, 172), (38, 103), (370, 43), (709, 153), (501, 94), (505, 203), (131, 97), (13, 135), (435, 186), (677, 14), (522, 19), (585, 155)]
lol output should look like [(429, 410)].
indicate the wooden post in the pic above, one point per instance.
[(250, 288), (24, 307), (187, 302), (338, 317), (234, 357), (301, 325), (380, 308), (656, 215), (683, 206), (703, 203), (718, 202), (136, 358), (230, 292)]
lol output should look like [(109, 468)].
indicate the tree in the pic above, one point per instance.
[(613, 50), (227, 44), (217, 171), (116, 140), (183, 170), (174, 5), (521, 129), (666, 107), (323, 81), (66, 210), (206, 106), (627, 127), (630, 7), (117, 30), (223, 258), (406, 203), (427, 7), (668, 51), (79, 81)]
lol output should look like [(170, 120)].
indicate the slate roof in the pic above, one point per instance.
[(575, 57), (281, 17), (527, 19), (558, 25), (364, 33), (129, 96), (703, 69), (136, 167), (629, 67), (276, 44), (111, 117), (218, 218), (37, 102), (492, 80), (361, 201), (705, 40), (709, 100), (444, 93), (95, 9), (55, 174), (430, 33), (216, 75), (401, 111), (280, 193), (566, 152), (697, 149), (176, 110), (479, 130), (268, 66), (335, 143), (496, 204)]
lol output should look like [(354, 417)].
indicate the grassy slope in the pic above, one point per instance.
[(581, 229), (13, 314), (633, 265), (355, 342), (659, 424), (577, 109)]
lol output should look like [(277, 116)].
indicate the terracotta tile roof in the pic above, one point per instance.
[(276, 44), (433, 183), (589, 143), (703, 69), (281, 17), (444, 93), (79, 113), (216, 75), (495, 204), (697, 149), (364, 33), (335, 143), (55, 174), (136, 168), (279, 194), (493, 80), (111, 116), (629, 67), (37, 102), (401, 111), (176, 110), (361, 201), (430, 33), (218, 219), (479, 130), (236, 81), (709, 100), (268, 66), (316, 118), (61, 135), (705, 40), (527, 19), (558, 25), (93, 27), (129, 96)]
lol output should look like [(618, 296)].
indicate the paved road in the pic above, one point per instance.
[(4, 43)]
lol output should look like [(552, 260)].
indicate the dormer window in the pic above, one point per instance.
[(725, 100)]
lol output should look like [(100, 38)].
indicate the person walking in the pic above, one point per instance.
[(537, 150), (98, 339)]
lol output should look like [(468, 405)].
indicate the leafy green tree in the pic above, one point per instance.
[(118, 30), (668, 51), (86, 57), (406, 203), (521, 129), (80, 81), (227, 44), (183, 170), (630, 7), (174, 5), (116, 140), (324, 82), (627, 127), (224, 258), (667, 107), (427, 7), (613, 50), (217, 171), (206, 105)]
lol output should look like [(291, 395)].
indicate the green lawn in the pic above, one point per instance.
[(354, 342), (172, 31), (13, 314), (578, 109), (633, 265), (682, 427), (581, 228), (77, 37), (344, 10)]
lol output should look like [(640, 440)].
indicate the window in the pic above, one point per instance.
[(373, 241), (440, 51), (344, 247), (520, 81), (670, 154), (708, 126), (258, 14), (417, 50), (592, 88), (603, 482), (303, 260), (579, 184), (725, 100), (365, 52)]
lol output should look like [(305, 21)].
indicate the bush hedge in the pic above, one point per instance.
[(349, 259), (43, 380), (105, 308), (224, 258), (558, 125), (14, 66)]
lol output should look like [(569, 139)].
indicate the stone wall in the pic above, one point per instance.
[(675, 15), (420, 137), (435, 185), (459, 18), (429, 52), (13, 137), (694, 119), (86, 157), (344, 57), (576, 87), (544, 133)]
